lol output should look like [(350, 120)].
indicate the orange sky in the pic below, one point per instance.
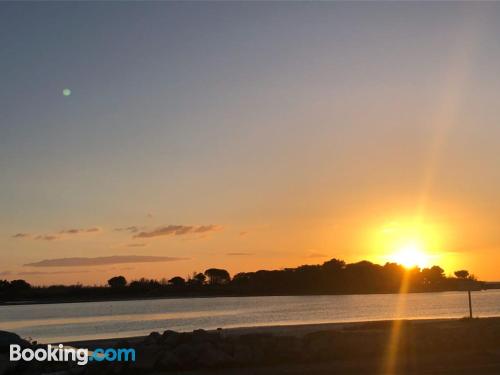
[(246, 136)]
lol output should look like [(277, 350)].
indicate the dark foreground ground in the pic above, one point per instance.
[(405, 347)]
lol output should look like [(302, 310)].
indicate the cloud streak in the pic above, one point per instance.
[(47, 237), (99, 261), (80, 230), (178, 230), (137, 245), (131, 229), (58, 235), (42, 273)]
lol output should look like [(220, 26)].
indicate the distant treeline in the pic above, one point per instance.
[(331, 277)]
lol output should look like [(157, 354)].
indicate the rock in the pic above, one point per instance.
[(153, 338), (186, 355), (5, 364), (171, 338), (169, 361), (122, 343), (212, 357), (147, 357), (9, 338)]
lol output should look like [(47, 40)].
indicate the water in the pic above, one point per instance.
[(89, 320)]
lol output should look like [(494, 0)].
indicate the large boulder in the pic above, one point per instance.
[(10, 338), (169, 361), (146, 357), (153, 338), (211, 357)]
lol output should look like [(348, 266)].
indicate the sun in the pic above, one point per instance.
[(410, 255), (410, 242)]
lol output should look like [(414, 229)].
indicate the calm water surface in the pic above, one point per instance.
[(88, 320)]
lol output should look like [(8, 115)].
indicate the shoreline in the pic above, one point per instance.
[(295, 330), (137, 298), (421, 346), (455, 346)]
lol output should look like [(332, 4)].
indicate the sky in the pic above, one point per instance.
[(154, 139)]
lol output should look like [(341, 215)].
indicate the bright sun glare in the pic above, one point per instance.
[(409, 242), (411, 255)]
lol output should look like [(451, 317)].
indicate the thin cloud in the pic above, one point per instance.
[(58, 235), (80, 230), (137, 245), (177, 230), (41, 273), (5, 273), (131, 229), (47, 237), (99, 261)]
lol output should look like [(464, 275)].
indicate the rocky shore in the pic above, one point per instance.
[(416, 347)]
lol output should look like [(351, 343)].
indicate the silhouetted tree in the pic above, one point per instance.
[(117, 282), (177, 281), (334, 265), (144, 284), (4, 284), (217, 276), (20, 285), (462, 274), (432, 276), (331, 277), (200, 278)]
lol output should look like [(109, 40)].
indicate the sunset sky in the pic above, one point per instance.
[(246, 136)]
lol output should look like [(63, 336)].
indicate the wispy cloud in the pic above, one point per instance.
[(99, 261), (58, 235), (131, 229), (178, 230), (80, 230), (5, 273), (47, 237), (41, 273), (137, 245)]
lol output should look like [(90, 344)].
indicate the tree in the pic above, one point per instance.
[(200, 278), (217, 276), (462, 274), (19, 285), (334, 265), (117, 282), (433, 275), (4, 284), (177, 281)]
